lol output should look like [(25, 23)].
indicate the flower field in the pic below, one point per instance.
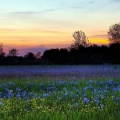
[(54, 93)]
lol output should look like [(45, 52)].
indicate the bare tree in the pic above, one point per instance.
[(114, 33), (13, 52), (1, 49), (80, 39)]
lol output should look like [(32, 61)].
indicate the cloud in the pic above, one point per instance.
[(19, 32), (99, 39), (35, 16), (91, 2), (98, 36), (115, 0), (30, 16), (33, 12), (23, 13)]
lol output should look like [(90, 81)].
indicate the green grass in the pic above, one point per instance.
[(64, 103)]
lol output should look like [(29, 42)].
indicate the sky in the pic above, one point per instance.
[(37, 25)]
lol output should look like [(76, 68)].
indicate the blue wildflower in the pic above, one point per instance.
[(64, 88), (96, 101), (84, 95), (11, 83), (18, 95), (10, 94), (18, 89), (45, 95), (119, 88), (86, 101), (66, 93), (24, 94), (114, 89), (102, 106)]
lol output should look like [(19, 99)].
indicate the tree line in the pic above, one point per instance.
[(80, 52)]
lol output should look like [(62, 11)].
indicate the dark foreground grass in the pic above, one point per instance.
[(48, 98)]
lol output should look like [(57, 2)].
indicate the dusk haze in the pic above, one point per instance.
[(59, 59), (37, 25)]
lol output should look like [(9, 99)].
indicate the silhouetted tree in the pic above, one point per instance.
[(51, 56), (80, 39), (13, 52), (1, 49), (30, 58), (63, 56), (29, 55), (2, 54), (114, 54), (114, 33), (38, 55)]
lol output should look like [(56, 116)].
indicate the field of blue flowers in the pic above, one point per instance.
[(71, 94)]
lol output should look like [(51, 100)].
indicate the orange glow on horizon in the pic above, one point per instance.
[(33, 37), (99, 41), (28, 38)]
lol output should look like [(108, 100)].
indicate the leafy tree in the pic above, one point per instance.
[(30, 56), (80, 39), (13, 52), (114, 33)]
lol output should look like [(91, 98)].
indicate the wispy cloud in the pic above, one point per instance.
[(77, 4), (99, 36), (91, 2), (99, 39), (33, 12), (30, 16), (4, 31), (115, 0)]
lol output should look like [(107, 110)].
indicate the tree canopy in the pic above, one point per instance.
[(80, 39), (114, 33), (13, 52)]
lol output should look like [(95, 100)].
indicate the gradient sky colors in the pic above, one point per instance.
[(36, 25)]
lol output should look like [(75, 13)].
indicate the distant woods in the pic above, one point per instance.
[(80, 52)]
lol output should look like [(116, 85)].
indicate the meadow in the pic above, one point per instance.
[(87, 92)]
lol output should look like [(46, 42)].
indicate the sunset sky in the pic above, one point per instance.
[(37, 25)]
